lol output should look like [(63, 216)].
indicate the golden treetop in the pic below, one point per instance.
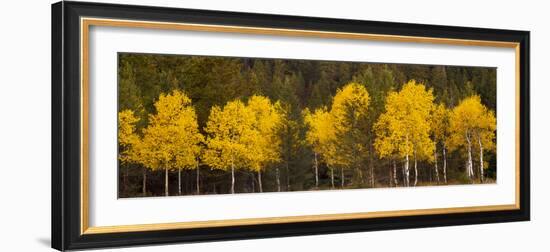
[(472, 119)]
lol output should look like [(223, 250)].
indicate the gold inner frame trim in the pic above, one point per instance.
[(86, 23)]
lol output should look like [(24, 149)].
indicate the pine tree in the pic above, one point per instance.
[(350, 110)]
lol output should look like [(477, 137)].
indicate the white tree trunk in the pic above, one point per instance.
[(415, 169), (394, 173), (407, 170), (260, 180), (469, 165), (444, 163), (165, 181), (179, 181), (435, 161), (316, 166), (480, 159), (198, 180), (278, 176), (403, 175), (232, 178)]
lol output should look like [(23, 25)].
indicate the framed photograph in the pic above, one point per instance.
[(179, 125)]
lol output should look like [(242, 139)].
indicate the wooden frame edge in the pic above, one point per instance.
[(86, 22)]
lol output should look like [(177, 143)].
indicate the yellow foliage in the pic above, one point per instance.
[(227, 128), (172, 140), (404, 128), (243, 135), (321, 135), (440, 122), (350, 111), (350, 106), (127, 138), (263, 142), (472, 119), (339, 135)]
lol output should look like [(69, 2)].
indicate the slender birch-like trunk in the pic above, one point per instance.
[(165, 181), (260, 180), (316, 166), (435, 162), (407, 170), (278, 176), (415, 169), (407, 163), (394, 173), (198, 179), (232, 178), (403, 174), (469, 167), (481, 175), (179, 181), (444, 163), (144, 182), (342, 177)]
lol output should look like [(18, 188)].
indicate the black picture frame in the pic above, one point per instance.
[(66, 125)]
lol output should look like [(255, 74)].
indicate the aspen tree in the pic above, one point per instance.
[(171, 140), (321, 135), (227, 128), (263, 143), (440, 129), (403, 130), (471, 123)]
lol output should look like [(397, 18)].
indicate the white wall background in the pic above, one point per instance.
[(25, 125)]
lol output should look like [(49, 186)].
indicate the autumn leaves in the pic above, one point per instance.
[(472, 124), (246, 134), (403, 130), (238, 135), (340, 134), (243, 135), (171, 141), (412, 128)]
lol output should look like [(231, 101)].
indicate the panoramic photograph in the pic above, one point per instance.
[(204, 125)]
